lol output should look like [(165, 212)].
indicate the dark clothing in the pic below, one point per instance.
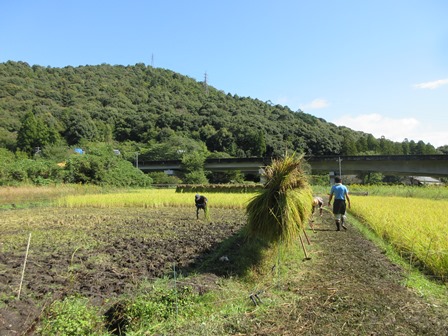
[(339, 207), (201, 201)]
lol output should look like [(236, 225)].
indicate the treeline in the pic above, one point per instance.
[(160, 114), (99, 167)]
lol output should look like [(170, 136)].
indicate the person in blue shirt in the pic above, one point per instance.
[(340, 194)]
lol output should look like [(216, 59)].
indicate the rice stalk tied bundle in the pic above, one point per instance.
[(279, 212)]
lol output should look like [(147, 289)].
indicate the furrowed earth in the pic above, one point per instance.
[(348, 287)]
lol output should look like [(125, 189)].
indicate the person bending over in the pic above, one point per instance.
[(318, 203), (201, 203)]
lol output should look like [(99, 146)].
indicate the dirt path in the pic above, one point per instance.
[(351, 288)]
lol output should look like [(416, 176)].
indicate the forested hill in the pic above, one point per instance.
[(147, 106)]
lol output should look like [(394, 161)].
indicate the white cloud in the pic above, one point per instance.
[(435, 138), (431, 85), (395, 129), (379, 125), (315, 104)]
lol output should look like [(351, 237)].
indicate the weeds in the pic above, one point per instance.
[(72, 316)]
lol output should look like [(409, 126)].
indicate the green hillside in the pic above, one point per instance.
[(146, 106)]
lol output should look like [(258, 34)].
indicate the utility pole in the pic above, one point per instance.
[(136, 160), (340, 171)]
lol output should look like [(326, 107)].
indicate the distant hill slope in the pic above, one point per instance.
[(144, 104)]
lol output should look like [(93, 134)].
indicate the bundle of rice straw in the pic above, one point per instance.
[(282, 208)]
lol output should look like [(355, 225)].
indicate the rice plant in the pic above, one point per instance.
[(279, 212), (153, 198), (416, 227)]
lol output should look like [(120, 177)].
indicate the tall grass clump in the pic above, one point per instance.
[(281, 209)]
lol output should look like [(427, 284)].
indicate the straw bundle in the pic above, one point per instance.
[(280, 211)]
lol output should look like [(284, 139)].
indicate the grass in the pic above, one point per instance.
[(46, 227), (72, 316)]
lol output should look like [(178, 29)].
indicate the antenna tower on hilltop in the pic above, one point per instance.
[(205, 83)]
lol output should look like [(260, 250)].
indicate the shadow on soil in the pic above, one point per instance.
[(235, 256)]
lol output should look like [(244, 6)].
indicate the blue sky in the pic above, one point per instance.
[(379, 66)]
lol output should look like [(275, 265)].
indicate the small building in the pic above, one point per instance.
[(424, 180)]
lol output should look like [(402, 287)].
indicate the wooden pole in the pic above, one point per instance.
[(306, 236), (303, 247), (24, 266)]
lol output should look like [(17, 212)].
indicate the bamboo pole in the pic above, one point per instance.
[(24, 266), (303, 247), (306, 236)]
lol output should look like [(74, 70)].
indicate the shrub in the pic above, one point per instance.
[(162, 178), (104, 170)]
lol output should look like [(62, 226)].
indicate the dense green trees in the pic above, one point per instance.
[(35, 133), (140, 103)]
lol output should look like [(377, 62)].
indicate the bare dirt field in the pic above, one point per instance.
[(347, 288), (99, 253)]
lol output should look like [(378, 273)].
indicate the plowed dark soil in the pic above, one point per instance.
[(348, 288), (99, 253)]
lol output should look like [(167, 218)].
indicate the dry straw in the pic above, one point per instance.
[(279, 212)]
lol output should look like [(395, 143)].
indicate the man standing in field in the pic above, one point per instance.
[(340, 194), (201, 203)]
